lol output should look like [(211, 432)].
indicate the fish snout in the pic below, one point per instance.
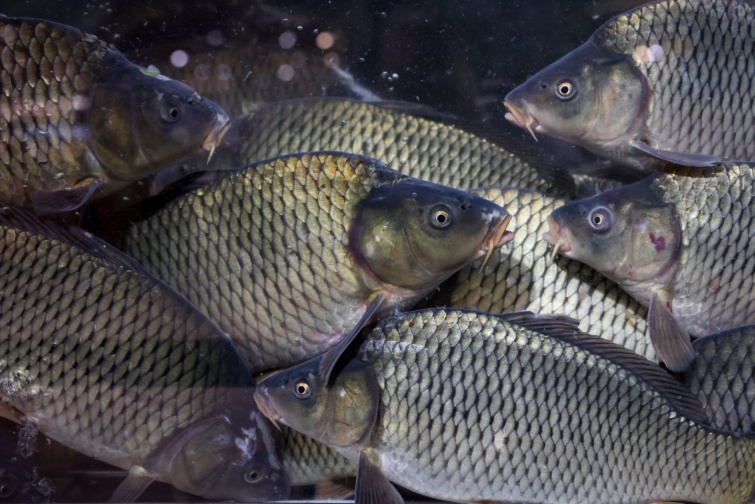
[(556, 238), (498, 236), (265, 406), (215, 137), (519, 116)]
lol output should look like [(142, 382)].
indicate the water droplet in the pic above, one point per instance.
[(404, 138)]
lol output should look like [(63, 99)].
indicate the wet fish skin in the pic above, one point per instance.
[(78, 120), (308, 462), (475, 407), (667, 81), (523, 275), (111, 362), (286, 255), (681, 238)]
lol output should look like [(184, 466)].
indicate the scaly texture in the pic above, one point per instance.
[(699, 60), (265, 253), (104, 359), (523, 276), (416, 146), (713, 281), (475, 408), (307, 462)]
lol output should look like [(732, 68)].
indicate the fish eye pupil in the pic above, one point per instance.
[(174, 112), (252, 476), (441, 217), (565, 89), (302, 390)]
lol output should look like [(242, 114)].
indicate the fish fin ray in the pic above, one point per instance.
[(131, 488), (670, 340), (330, 358), (372, 486), (10, 413), (679, 158), (335, 488), (552, 325), (50, 202)]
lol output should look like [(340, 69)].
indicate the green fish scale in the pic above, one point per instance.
[(713, 281), (105, 360), (523, 276), (478, 409), (700, 86), (307, 461), (44, 69), (724, 374), (285, 286), (413, 145)]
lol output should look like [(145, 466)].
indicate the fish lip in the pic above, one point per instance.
[(264, 406), (219, 130), (497, 235), (521, 118), (556, 238)]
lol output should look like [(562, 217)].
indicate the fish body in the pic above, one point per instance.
[(466, 407), (665, 82), (397, 134), (524, 276), (308, 462), (104, 358), (78, 120), (287, 255), (680, 243)]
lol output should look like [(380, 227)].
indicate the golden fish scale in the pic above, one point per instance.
[(713, 282), (701, 87), (45, 71), (480, 409), (285, 286), (522, 276), (105, 360), (307, 461), (415, 146)]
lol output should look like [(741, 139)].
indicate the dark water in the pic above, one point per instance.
[(457, 56)]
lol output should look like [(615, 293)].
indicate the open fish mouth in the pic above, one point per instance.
[(497, 237), (267, 409), (521, 118), (556, 238), (222, 125)]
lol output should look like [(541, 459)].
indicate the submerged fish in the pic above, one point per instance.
[(78, 120), (680, 243), (289, 255), (107, 360), (309, 462), (524, 276), (668, 81), (468, 407), (417, 146)]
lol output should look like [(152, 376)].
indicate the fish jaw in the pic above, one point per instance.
[(520, 116), (265, 405), (215, 137), (497, 237), (557, 238)]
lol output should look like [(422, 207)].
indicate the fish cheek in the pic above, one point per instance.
[(656, 243), (354, 403), (621, 94), (110, 127)]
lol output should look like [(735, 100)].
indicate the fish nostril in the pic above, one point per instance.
[(465, 205), (543, 85)]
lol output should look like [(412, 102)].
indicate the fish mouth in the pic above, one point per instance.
[(556, 238), (222, 125), (521, 118), (266, 408), (497, 236)]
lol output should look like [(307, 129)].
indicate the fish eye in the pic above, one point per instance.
[(171, 113), (6, 489), (440, 216), (252, 476), (600, 219), (302, 390), (566, 89)]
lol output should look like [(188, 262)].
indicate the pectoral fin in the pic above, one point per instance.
[(335, 488), (670, 340), (67, 200), (680, 158), (372, 485), (131, 488)]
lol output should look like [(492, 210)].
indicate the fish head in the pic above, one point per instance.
[(229, 457), (340, 414), (590, 97), (414, 234), (628, 234), (143, 121)]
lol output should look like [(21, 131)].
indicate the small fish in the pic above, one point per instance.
[(469, 407), (290, 256), (523, 276), (104, 358), (669, 81), (79, 121), (680, 243)]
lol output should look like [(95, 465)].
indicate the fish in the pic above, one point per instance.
[(722, 377), (104, 358), (666, 82), (411, 138), (78, 120), (308, 462), (292, 255), (469, 407), (523, 276), (679, 242)]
